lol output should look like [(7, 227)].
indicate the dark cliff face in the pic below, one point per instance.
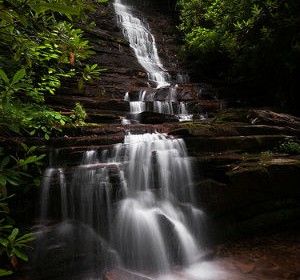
[(163, 20), (114, 54)]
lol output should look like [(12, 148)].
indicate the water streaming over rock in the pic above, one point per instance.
[(143, 43), (137, 32), (133, 203), (129, 207)]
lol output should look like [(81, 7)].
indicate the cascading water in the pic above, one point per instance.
[(159, 184), (142, 41), (138, 197), (129, 208)]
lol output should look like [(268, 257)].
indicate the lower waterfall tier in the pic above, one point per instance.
[(137, 196)]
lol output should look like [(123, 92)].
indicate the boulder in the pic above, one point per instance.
[(70, 250)]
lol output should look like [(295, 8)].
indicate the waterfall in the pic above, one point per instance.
[(134, 202), (129, 207), (142, 41)]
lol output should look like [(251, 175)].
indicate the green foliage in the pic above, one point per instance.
[(67, 8), (39, 50), (265, 156), (90, 72), (5, 272), (41, 47), (14, 170), (68, 41), (251, 41), (289, 146), (14, 244), (17, 174), (79, 115)]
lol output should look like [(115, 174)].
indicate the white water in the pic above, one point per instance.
[(130, 207), (143, 43), (138, 197), (170, 106)]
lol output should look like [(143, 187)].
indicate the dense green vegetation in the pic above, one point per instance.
[(252, 43), (41, 46)]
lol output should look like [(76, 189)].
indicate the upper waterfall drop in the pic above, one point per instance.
[(137, 31), (143, 43)]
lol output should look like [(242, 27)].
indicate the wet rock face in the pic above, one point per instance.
[(155, 118), (114, 54), (163, 25)]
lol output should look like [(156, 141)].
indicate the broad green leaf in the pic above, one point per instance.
[(14, 181), (26, 238), (4, 242), (4, 272), (13, 234), (20, 254), (18, 76), (28, 160), (55, 7), (4, 208), (5, 227), (24, 146)]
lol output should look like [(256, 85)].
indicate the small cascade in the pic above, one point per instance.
[(146, 101), (170, 106), (142, 41), (183, 112), (130, 207)]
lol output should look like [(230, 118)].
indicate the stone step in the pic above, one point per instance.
[(211, 129), (89, 140), (266, 130), (102, 104), (112, 129), (103, 118), (253, 143)]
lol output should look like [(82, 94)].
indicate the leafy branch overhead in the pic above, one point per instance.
[(40, 48)]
